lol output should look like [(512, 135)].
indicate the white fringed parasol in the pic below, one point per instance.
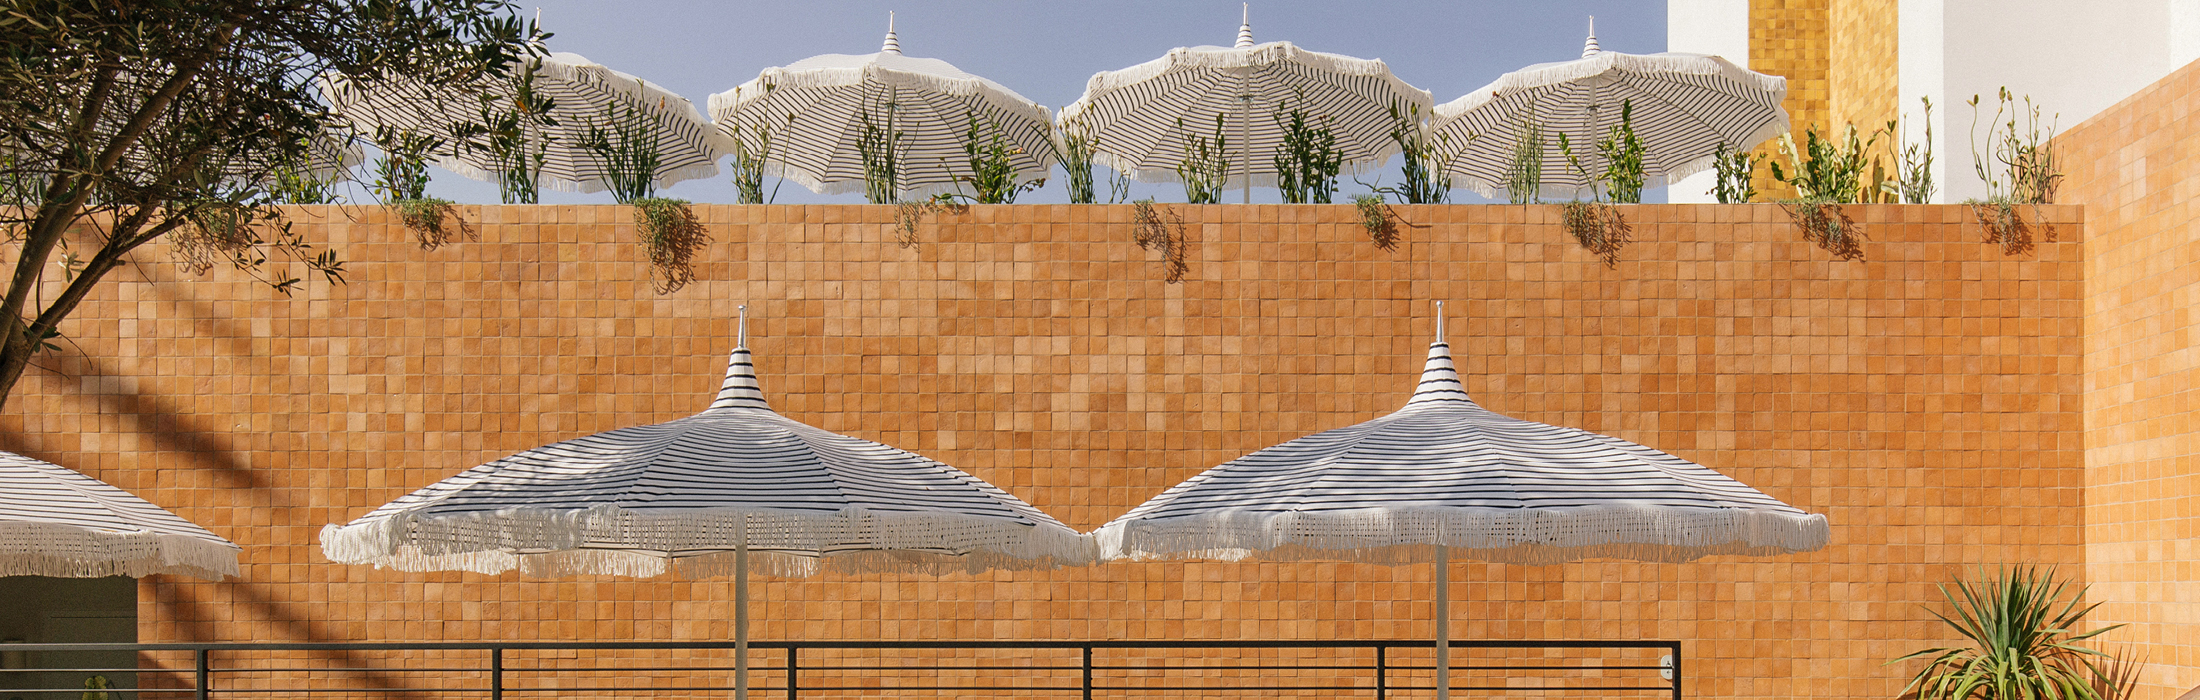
[(56, 522), (815, 110), (734, 488), (1135, 112), (1685, 107), (1444, 477)]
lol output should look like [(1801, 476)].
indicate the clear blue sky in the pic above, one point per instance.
[(1047, 50)]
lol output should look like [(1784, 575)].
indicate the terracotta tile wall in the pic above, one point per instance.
[(2132, 168), (1926, 400)]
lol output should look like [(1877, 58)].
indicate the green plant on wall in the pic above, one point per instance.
[(1826, 174), (1913, 163), (1422, 166), (2019, 167), (624, 147), (1524, 170), (511, 130), (1622, 152), (1307, 162), (992, 166), (750, 154), (671, 235), (2022, 640), (1736, 173), (1206, 164), (880, 144), (1078, 146), (295, 183), (401, 182)]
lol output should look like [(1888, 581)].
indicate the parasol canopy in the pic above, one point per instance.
[(57, 522), (583, 95), (1685, 106), (816, 111), (1136, 112)]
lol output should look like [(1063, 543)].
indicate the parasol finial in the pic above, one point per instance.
[(892, 45), (1439, 379), (1590, 48), (1245, 27), (740, 389), (741, 341)]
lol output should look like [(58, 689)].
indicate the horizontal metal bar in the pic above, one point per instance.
[(942, 668), (248, 670), (851, 644)]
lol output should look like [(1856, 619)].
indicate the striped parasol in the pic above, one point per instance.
[(583, 95), (704, 496), (1444, 477), (1685, 107), (1135, 112), (816, 109), (56, 522)]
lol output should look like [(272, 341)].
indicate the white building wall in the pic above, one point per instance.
[(2074, 59), (1719, 28)]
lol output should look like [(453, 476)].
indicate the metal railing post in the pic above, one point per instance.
[(496, 673), (1676, 670), (1382, 660), (790, 672), (1088, 673), (203, 684)]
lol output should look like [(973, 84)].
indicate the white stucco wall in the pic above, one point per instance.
[(2073, 58), (1719, 28)]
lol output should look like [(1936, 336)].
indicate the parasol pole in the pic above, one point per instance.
[(1443, 622), (1245, 107), (741, 609)]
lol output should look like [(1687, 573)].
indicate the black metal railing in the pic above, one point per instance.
[(1080, 669)]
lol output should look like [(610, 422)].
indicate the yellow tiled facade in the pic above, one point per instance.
[(1927, 400), (2131, 167)]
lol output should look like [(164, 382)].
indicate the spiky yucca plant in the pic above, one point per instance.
[(2024, 642)]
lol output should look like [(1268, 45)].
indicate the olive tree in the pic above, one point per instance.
[(123, 122)]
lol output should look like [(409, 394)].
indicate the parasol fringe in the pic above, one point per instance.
[(1523, 536), (781, 543), (48, 549)]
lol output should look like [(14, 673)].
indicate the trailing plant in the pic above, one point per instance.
[(1736, 170), (624, 148), (671, 234), (881, 147), (2019, 167), (1599, 229), (1206, 165), (1913, 164), (1379, 219), (749, 159), (992, 168), (2023, 641), (401, 182), (1308, 161), (1163, 230), (1078, 145), (1426, 173), (1825, 170), (908, 214), (511, 130), (1524, 174), (1827, 225)]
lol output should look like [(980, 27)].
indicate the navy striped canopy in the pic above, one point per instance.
[(1685, 107), (56, 522), (685, 494), (1444, 472), (815, 111), (583, 96), (1135, 112)]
